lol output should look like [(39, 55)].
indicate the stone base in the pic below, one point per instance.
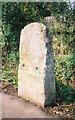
[(31, 87)]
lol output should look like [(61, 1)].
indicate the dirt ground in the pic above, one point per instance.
[(14, 107), (64, 112)]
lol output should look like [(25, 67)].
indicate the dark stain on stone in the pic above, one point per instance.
[(23, 65), (36, 68)]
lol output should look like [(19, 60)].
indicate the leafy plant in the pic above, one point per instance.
[(64, 68), (64, 94)]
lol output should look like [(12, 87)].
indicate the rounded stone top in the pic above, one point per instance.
[(35, 24)]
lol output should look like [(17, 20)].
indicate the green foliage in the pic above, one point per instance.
[(64, 94), (10, 74), (16, 15), (64, 68), (13, 58)]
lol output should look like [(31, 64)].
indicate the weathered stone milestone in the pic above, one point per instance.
[(36, 69)]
